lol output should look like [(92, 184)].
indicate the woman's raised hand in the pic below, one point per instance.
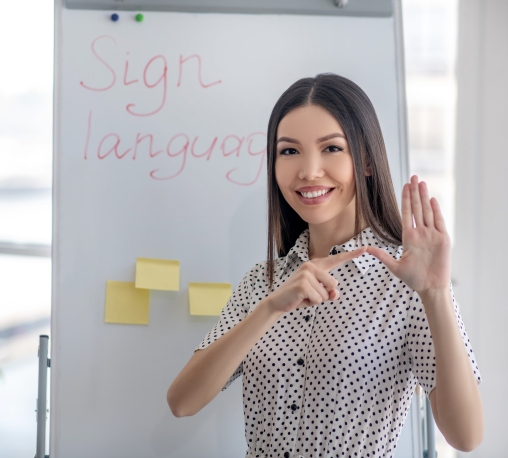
[(312, 283), (426, 261)]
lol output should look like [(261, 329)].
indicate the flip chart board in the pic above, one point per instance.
[(160, 132)]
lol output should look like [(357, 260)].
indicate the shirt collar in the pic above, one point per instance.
[(363, 263), (300, 249)]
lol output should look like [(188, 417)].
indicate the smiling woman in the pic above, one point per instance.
[(324, 161), (333, 335), (334, 114)]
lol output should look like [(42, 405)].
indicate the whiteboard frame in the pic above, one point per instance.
[(55, 324), (352, 8), (55, 247)]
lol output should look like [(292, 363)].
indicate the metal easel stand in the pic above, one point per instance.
[(42, 411)]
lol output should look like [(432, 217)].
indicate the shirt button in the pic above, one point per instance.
[(307, 317), (294, 407), (300, 362), (286, 455)]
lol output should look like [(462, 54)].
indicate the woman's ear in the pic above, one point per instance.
[(366, 169)]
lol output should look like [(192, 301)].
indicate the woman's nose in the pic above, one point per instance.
[(311, 167)]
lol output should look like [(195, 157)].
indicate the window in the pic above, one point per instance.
[(430, 34), (26, 82)]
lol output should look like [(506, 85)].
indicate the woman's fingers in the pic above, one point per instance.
[(336, 260), (334, 295), (329, 283), (416, 204), (313, 298), (315, 285), (313, 291), (407, 214), (438, 216), (321, 285), (321, 290), (428, 212), (315, 280), (323, 277), (318, 284)]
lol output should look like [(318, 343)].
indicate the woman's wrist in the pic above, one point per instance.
[(435, 296), (270, 308)]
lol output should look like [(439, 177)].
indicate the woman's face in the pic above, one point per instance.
[(314, 168)]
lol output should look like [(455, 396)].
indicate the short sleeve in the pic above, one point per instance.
[(420, 345), (235, 311)]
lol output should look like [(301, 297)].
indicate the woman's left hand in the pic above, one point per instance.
[(426, 261)]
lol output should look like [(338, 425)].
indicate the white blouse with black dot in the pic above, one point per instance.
[(335, 379)]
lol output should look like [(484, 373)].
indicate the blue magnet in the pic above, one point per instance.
[(115, 17)]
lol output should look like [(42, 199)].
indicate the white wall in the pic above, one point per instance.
[(481, 253)]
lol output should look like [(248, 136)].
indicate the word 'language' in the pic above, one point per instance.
[(177, 150)]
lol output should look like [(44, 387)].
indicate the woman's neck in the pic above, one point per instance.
[(322, 237)]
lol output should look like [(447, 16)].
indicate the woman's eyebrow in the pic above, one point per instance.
[(319, 140), (328, 137), (289, 140)]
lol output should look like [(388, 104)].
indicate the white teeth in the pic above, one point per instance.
[(313, 194)]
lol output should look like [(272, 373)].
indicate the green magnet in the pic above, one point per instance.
[(139, 17)]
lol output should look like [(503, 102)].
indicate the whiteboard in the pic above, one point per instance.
[(160, 131)]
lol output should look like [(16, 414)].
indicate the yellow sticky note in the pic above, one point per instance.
[(126, 304), (157, 274), (208, 298)]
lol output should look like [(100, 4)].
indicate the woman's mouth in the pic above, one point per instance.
[(313, 197), (312, 194)]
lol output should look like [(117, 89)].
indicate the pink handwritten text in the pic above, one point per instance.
[(154, 74), (178, 150)]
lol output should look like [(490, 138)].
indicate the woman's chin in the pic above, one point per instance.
[(314, 220)]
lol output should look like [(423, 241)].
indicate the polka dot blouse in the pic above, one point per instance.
[(335, 379)]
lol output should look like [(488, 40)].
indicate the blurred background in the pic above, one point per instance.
[(26, 81)]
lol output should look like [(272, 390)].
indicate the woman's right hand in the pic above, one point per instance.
[(311, 284), (208, 370)]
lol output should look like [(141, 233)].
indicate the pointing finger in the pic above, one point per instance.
[(336, 260)]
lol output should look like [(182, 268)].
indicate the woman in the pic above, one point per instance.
[(334, 334)]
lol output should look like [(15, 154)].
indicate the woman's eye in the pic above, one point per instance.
[(288, 151), (333, 149)]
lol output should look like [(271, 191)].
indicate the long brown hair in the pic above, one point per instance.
[(375, 201)]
